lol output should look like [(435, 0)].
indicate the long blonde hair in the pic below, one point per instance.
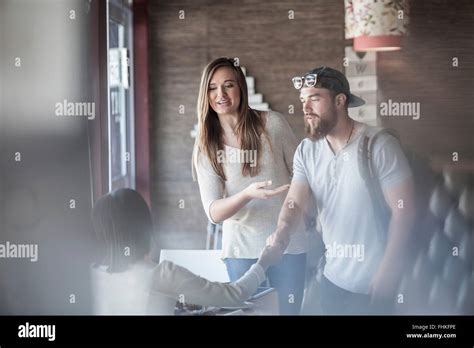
[(250, 125)]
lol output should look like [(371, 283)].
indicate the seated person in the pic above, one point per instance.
[(126, 281)]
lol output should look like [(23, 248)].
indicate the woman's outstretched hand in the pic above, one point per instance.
[(259, 190)]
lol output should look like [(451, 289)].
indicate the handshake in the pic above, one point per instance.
[(273, 251)]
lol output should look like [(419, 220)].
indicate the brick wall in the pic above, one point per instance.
[(270, 45)]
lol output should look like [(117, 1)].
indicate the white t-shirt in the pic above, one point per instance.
[(354, 249)]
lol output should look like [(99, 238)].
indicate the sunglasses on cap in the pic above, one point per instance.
[(309, 80)]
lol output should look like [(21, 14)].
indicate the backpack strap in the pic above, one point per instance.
[(368, 173)]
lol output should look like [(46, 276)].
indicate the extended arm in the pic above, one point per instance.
[(224, 208), (179, 283), (212, 189), (291, 213)]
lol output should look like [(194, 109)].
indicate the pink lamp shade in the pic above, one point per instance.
[(376, 25), (378, 43)]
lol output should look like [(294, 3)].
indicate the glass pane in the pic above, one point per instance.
[(121, 130)]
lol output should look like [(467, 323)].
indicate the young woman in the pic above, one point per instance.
[(243, 162), (126, 281)]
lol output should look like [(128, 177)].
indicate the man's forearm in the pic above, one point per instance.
[(290, 215)]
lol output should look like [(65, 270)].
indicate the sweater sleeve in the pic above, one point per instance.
[(211, 186), (283, 134), (179, 283)]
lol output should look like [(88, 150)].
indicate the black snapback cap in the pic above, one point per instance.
[(336, 81)]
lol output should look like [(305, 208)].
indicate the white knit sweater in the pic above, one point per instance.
[(245, 233)]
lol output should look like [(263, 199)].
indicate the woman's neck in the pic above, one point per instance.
[(228, 121)]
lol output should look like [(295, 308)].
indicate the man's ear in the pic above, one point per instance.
[(341, 99)]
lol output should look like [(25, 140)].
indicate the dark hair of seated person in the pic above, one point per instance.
[(123, 228)]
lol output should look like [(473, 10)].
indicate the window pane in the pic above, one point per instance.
[(121, 120)]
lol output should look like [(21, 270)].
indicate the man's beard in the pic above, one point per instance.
[(321, 130)]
